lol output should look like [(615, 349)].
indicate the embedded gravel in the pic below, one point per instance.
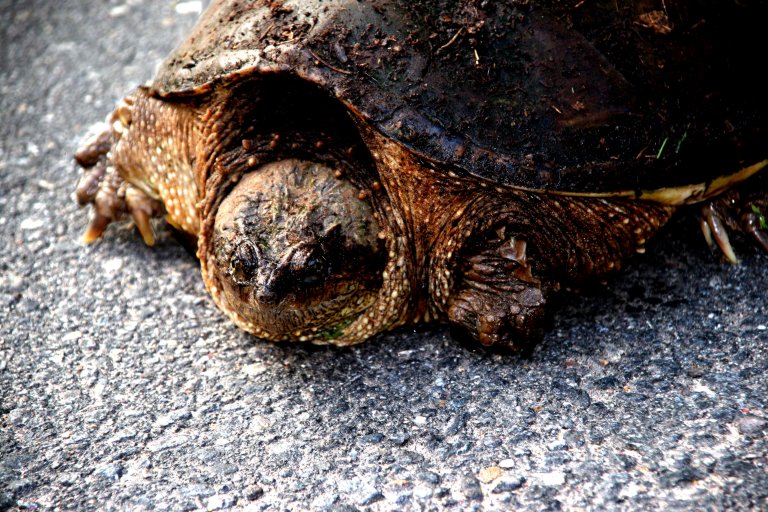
[(123, 388)]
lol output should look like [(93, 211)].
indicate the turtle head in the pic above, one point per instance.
[(295, 253)]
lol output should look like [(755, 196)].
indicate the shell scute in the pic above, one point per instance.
[(594, 99)]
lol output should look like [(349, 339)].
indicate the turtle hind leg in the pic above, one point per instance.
[(497, 301), (743, 209), (102, 186), (115, 199)]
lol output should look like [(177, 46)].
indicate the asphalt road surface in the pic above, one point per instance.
[(123, 388)]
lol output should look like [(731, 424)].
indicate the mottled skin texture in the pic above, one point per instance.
[(482, 257), (313, 223)]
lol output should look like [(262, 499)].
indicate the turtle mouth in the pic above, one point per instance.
[(295, 317), (295, 252)]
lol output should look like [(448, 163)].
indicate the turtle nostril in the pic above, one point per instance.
[(273, 289), (244, 263), (267, 296)]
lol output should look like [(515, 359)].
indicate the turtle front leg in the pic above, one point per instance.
[(141, 165), (497, 300), (102, 185), (498, 285)]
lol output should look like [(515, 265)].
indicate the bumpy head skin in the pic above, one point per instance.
[(295, 253)]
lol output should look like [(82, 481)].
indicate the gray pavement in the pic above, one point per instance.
[(123, 388)]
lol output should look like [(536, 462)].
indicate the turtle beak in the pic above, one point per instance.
[(273, 285), (270, 293), (300, 271)]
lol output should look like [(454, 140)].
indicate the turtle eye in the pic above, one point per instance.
[(315, 271), (309, 270), (244, 263)]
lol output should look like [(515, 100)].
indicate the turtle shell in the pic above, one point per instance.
[(591, 97)]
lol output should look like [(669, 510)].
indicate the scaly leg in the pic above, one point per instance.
[(506, 274), (102, 185)]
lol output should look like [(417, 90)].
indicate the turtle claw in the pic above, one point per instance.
[(752, 225), (102, 187), (141, 219), (96, 228), (737, 211), (114, 199), (142, 208), (716, 233)]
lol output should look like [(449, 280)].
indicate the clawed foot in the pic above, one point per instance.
[(736, 211), (514, 321), (102, 186), (500, 303)]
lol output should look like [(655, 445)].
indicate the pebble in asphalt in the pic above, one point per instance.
[(122, 387)]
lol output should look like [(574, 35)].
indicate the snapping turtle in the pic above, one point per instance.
[(346, 166)]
